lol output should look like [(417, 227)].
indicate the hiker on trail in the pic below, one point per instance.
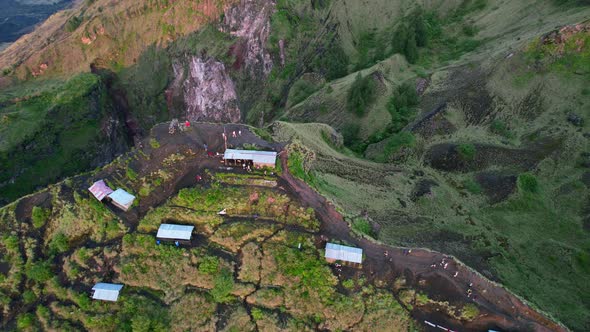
[(177, 243), (205, 146), (187, 124), (240, 132), (456, 274), (198, 177)]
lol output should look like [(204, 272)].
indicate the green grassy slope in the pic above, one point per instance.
[(52, 129)]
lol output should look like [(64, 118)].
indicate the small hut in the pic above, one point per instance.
[(122, 199), (337, 252), (100, 190), (175, 232), (251, 158), (106, 292)]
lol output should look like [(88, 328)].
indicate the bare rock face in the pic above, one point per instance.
[(203, 90), (250, 21)]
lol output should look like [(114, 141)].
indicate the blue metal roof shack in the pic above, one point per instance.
[(175, 232), (343, 253), (257, 157), (106, 292)]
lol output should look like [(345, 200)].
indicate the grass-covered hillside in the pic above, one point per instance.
[(493, 167), (51, 129)]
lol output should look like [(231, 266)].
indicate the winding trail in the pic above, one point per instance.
[(499, 309)]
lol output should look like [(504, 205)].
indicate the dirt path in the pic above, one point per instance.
[(499, 309)]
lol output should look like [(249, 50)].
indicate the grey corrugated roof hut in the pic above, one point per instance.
[(258, 158), (175, 232), (122, 199), (106, 292), (343, 253)]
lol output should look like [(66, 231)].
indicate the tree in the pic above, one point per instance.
[(400, 38), (420, 29), (361, 94), (411, 49)]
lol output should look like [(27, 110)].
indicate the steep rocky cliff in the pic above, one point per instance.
[(250, 22), (204, 90)]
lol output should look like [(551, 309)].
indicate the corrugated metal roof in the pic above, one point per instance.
[(122, 197), (100, 190), (266, 157), (344, 253), (106, 292), (176, 232)]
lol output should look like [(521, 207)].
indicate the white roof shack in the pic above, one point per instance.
[(100, 190), (257, 157), (122, 199), (175, 232), (343, 253), (106, 292)]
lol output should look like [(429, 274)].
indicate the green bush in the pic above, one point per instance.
[(29, 296), (25, 321), (348, 284), (73, 23), (361, 94), (154, 143), (209, 265), (39, 216), (472, 186), (11, 243), (131, 174), (224, 283), (301, 90), (527, 182), (39, 272), (466, 151), (400, 106), (363, 226), (500, 128), (257, 314), (59, 244), (396, 142), (350, 132)]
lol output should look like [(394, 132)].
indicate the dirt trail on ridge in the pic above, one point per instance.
[(499, 309)]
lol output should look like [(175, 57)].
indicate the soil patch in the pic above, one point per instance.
[(24, 208), (422, 188), (496, 186), (446, 157)]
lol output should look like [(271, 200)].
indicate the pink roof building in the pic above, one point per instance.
[(100, 190)]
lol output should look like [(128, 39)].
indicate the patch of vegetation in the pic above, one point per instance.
[(361, 94), (39, 272), (395, 143), (39, 216), (154, 143), (224, 283), (73, 23), (209, 265), (301, 90), (131, 174), (401, 106), (472, 186), (500, 128), (528, 183), (466, 151), (59, 244), (362, 226)]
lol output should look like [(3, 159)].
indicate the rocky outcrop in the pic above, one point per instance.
[(203, 91), (250, 22)]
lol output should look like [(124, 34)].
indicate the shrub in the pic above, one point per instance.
[(348, 284), (39, 272), (29, 297), (472, 186), (73, 23), (39, 216), (131, 174), (301, 90), (361, 94), (411, 48), (154, 143), (257, 314), (350, 133), (396, 142), (25, 321), (466, 151), (224, 283), (527, 182), (11, 243), (59, 244), (209, 265), (500, 128), (363, 226), (469, 312), (333, 63), (400, 106)]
